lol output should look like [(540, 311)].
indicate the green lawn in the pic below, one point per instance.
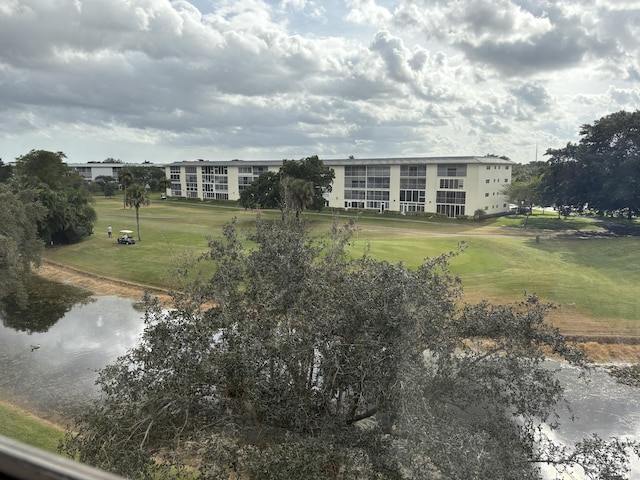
[(24, 427), (501, 259)]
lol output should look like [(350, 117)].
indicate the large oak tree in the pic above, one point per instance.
[(295, 360), (70, 214), (602, 171)]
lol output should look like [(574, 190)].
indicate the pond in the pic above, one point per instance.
[(56, 379)]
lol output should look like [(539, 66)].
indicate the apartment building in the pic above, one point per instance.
[(92, 170), (451, 186)]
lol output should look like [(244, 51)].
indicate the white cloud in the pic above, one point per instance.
[(170, 80)]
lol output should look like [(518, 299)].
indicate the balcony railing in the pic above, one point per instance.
[(21, 461)]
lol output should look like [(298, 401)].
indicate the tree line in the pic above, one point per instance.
[(600, 173), (44, 202)]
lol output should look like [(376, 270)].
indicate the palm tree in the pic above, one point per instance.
[(136, 197), (125, 177), (299, 194)]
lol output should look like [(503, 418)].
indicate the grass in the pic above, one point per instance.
[(596, 280), (26, 428), (598, 277)]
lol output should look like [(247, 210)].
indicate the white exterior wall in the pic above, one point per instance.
[(482, 185), (394, 188), (336, 197)]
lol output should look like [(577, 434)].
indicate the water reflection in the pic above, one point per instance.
[(48, 302), (600, 405), (58, 378)]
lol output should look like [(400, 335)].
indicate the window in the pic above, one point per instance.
[(413, 170), (416, 196), (451, 183), (452, 170), (414, 183), (378, 195), (354, 194), (378, 182), (458, 198), (486, 194), (244, 170), (355, 171), (451, 211), (486, 181), (174, 173), (378, 176), (378, 171)]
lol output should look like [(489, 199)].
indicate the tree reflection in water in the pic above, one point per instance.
[(48, 302)]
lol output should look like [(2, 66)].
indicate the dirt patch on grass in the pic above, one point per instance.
[(98, 284), (593, 337), (603, 340)]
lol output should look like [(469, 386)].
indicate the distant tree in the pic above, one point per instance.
[(108, 185), (43, 167), (525, 195), (603, 169), (147, 175), (6, 172), (313, 170), (125, 177), (264, 192), (524, 172), (298, 194), (137, 197), (268, 191), (493, 155), (295, 360), (70, 214), (20, 244)]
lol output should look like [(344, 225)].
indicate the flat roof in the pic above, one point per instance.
[(354, 161)]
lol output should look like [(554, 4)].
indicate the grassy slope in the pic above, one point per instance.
[(598, 278), (24, 427)]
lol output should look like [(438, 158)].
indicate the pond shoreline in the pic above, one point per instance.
[(98, 284), (600, 348)]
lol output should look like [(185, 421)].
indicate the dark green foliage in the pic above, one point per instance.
[(20, 246), (148, 175), (48, 302), (602, 171), (264, 192), (137, 197), (6, 172), (312, 170), (70, 214), (296, 361), (300, 184)]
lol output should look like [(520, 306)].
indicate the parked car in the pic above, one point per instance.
[(163, 197), (125, 237)]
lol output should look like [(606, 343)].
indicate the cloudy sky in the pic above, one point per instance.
[(171, 80)]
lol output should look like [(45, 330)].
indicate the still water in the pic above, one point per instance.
[(58, 377)]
